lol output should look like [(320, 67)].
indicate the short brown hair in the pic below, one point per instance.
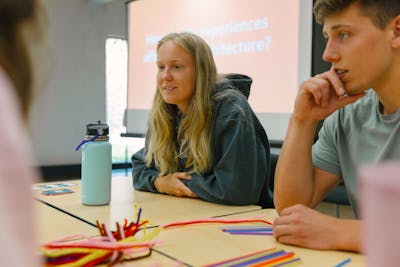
[(380, 11)]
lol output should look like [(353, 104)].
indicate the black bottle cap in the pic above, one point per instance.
[(97, 128)]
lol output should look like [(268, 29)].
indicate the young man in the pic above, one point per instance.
[(359, 98)]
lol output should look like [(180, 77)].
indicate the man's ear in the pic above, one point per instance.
[(396, 32)]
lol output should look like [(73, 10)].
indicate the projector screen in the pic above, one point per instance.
[(268, 40)]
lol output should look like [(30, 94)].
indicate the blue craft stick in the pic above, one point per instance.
[(342, 263), (262, 258), (243, 226), (240, 232), (244, 233), (138, 216), (247, 230), (250, 229), (287, 262)]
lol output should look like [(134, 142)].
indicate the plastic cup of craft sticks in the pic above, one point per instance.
[(379, 207)]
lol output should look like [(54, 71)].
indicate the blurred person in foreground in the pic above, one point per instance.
[(21, 33)]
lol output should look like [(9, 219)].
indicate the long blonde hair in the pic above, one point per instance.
[(192, 138)]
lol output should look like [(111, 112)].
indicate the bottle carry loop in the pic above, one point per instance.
[(84, 141), (94, 132)]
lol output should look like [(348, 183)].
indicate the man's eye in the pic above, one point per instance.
[(161, 67), (178, 67)]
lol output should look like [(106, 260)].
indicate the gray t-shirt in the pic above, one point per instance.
[(355, 135)]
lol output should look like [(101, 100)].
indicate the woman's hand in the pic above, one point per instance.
[(171, 184)]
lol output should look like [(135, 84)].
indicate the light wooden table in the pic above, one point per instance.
[(158, 208), (206, 243), (192, 245), (52, 224)]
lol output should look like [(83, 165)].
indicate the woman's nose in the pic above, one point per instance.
[(167, 75)]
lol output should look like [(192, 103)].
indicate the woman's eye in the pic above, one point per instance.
[(343, 35)]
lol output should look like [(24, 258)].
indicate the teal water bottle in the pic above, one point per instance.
[(96, 165)]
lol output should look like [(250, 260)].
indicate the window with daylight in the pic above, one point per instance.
[(116, 100)]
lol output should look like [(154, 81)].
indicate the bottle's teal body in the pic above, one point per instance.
[(96, 172)]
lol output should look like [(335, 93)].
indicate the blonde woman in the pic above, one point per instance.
[(201, 142), (19, 30)]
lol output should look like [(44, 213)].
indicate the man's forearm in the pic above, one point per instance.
[(294, 171)]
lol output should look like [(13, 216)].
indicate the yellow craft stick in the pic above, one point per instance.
[(53, 253)]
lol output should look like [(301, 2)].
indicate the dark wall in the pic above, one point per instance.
[(318, 46), (318, 65)]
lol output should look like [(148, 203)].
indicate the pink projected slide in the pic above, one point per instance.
[(258, 38)]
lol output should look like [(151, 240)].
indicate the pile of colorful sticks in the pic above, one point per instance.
[(110, 248)]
